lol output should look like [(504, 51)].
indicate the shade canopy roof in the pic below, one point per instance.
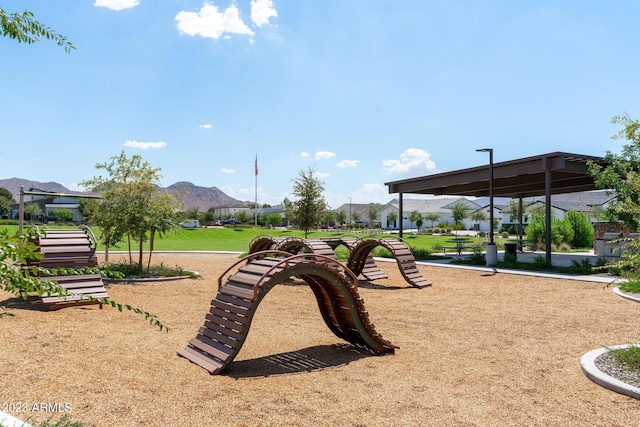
[(525, 177)]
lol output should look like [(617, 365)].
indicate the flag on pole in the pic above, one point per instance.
[(256, 165)]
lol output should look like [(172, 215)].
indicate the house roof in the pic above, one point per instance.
[(525, 177), (442, 204)]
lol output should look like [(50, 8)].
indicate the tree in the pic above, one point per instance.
[(242, 216), (131, 205), (459, 212), (287, 208), (341, 217), (374, 213), (64, 215), (478, 216), (274, 219), (414, 216), (432, 217), (25, 29), (582, 229), (310, 203), (5, 207), (621, 172), (329, 217), (33, 211), (391, 218), (6, 200), (16, 277)]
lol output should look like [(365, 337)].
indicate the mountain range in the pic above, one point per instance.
[(193, 196)]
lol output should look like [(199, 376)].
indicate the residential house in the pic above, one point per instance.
[(439, 206), (47, 205)]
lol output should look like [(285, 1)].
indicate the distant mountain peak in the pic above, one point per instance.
[(193, 196)]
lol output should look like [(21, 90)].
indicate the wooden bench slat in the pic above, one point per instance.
[(203, 360)]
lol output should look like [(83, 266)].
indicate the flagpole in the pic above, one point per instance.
[(256, 189)]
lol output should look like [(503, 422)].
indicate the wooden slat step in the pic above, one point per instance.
[(212, 347), (65, 242), (201, 359), (221, 329), (235, 316), (245, 278), (224, 306), (220, 337), (237, 290), (229, 324), (234, 300)]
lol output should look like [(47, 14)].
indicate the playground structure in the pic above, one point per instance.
[(274, 260), (71, 249), (360, 261), (239, 293)]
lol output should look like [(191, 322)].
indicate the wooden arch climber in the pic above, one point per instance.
[(360, 260), (361, 250), (227, 324)]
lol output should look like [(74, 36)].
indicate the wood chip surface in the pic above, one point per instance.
[(476, 349)]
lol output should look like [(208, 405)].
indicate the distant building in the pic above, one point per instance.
[(47, 205), (229, 211)]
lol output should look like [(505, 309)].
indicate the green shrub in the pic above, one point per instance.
[(629, 357), (421, 254), (582, 230), (122, 269)]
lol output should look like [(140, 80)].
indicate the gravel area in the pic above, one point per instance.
[(475, 349), (608, 365)]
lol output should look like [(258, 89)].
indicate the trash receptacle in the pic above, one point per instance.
[(511, 249)]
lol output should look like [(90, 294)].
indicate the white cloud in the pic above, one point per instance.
[(322, 175), (348, 163), (225, 170), (205, 126), (261, 11), (228, 190), (304, 154), (412, 161), (145, 145), (367, 193), (117, 4), (211, 23), (323, 155)]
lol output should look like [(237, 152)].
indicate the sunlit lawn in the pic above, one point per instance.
[(237, 239)]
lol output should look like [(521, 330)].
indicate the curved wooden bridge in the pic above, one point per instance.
[(227, 324), (360, 260)]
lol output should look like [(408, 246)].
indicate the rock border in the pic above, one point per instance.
[(152, 280), (587, 363)]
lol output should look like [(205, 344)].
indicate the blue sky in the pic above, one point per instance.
[(365, 92)]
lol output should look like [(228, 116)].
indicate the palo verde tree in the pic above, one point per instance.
[(132, 208), (309, 204)]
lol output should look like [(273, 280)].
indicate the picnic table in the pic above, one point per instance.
[(460, 244)]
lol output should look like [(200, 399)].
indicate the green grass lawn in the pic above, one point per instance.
[(237, 239)]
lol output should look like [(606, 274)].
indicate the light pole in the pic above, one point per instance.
[(492, 256)]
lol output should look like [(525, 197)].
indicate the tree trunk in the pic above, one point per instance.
[(140, 255), (151, 236)]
